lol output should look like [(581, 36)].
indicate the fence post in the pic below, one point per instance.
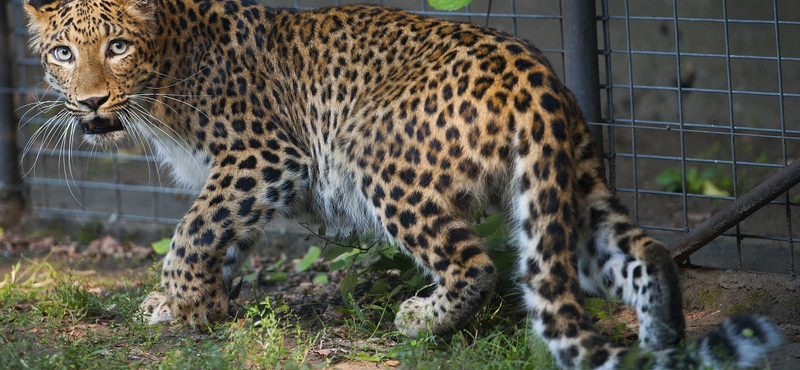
[(580, 62), (12, 199)]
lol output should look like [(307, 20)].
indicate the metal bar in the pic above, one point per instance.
[(681, 122), (98, 185), (737, 211), (696, 196), (703, 55), (610, 149), (12, 199), (788, 208), (732, 130), (581, 67), (698, 89), (710, 20), (666, 125), (83, 213), (632, 98)]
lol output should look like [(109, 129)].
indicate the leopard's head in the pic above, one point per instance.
[(97, 54)]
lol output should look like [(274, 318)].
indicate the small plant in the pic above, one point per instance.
[(607, 322), (710, 182)]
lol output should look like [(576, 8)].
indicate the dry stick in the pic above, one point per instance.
[(737, 211)]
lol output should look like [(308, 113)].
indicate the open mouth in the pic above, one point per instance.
[(100, 125)]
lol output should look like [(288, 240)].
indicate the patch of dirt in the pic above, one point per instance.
[(710, 296)]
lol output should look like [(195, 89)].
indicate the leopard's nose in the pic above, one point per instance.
[(94, 102)]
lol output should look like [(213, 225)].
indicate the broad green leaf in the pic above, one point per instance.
[(362, 356), (250, 278), (320, 279), (670, 180), (335, 251), (348, 286), (161, 246), (489, 226), (381, 286), (448, 4), (311, 256), (276, 265), (278, 277), (710, 189), (710, 173), (339, 264)]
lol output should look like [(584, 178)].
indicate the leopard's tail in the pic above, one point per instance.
[(741, 342)]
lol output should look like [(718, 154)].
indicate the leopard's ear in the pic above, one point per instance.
[(39, 12), (37, 5), (141, 9)]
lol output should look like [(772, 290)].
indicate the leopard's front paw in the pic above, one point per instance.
[(194, 311), (415, 317), (156, 309)]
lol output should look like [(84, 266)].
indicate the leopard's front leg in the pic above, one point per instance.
[(236, 203), (191, 279)]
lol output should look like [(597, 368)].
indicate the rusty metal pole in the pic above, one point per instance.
[(12, 198), (737, 211)]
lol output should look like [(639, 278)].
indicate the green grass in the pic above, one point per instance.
[(51, 319)]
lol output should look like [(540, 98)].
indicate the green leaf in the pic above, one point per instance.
[(710, 173), (448, 4), (348, 285), (278, 277), (320, 279), (311, 256), (339, 264), (670, 180), (710, 189), (276, 265), (381, 287), (489, 226), (161, 246), (336, 251)]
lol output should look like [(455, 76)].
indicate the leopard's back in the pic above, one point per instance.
[(428, 100)]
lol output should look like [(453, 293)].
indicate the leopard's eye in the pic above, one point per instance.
[(118, 47), (62, 54)]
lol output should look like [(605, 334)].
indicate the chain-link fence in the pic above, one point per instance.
[(699, 103)]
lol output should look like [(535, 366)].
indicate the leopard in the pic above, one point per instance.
[(366, 117)]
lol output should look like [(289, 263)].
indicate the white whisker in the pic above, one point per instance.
[(179, 81)]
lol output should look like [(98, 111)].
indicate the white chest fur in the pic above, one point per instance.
[(189, 167)]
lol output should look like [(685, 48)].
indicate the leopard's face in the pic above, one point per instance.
[(98, 55)]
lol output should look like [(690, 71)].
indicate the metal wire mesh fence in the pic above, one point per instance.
[(699, 102)]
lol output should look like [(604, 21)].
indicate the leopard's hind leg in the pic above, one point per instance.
[(545, 207), (619, 260)]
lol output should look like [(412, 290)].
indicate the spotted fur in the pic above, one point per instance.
[(375, 118)]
